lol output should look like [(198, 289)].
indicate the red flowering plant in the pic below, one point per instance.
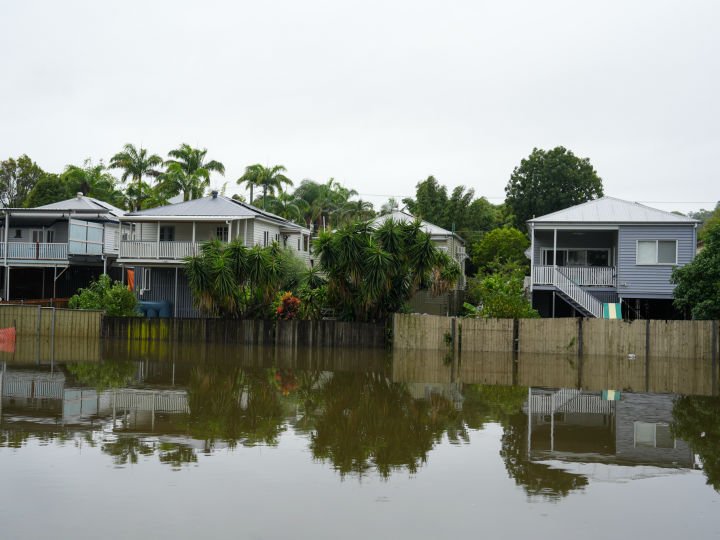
[(287, 306)]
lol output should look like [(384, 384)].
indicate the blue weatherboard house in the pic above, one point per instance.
[(607, 256)]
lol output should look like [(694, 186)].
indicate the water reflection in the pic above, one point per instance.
[(359, 411)]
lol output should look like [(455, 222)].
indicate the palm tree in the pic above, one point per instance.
[(325, 201), (358, 210), (136, 163), (288, 206), (175, 180), (189, 171), (270, 178)]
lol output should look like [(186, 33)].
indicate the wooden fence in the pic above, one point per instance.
[(662, 355), (247, 332), (51, 322)]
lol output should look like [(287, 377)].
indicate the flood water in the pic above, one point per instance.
[(211, 442)]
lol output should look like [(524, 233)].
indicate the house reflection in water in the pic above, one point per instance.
[(573, 426)]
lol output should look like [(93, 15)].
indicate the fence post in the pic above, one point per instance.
[(714, 355), (580, 352), (647, 355)]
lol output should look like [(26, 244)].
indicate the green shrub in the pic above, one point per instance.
[(114, 298)]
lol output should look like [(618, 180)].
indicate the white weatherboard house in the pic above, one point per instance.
[(155, 242), (608, 251), (52, 250)]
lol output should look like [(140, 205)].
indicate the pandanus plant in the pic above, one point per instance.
[(374, 272)]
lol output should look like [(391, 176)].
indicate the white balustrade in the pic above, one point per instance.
[(131, 249), (34, 251), (585, 276)]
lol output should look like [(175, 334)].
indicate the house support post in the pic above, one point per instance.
[(532, 256), (7, 283), (554, 256), (157, 253), (175, 299)]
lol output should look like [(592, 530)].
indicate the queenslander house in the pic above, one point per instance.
[(50, 251), (607, 252), (156, 241)]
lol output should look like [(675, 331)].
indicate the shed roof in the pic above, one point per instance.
[(612, 210)]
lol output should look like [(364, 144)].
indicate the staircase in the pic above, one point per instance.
[(576, 296)]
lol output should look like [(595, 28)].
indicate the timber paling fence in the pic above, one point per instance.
[(644, 354), (38, 321), (247, 332)]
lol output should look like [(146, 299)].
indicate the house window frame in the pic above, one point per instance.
[(654, 444), (146, 279), (306, 242), (49, 236), (167, 228), (37, 233), (657, 251), (544, 256), (266, 238), (222, 233)]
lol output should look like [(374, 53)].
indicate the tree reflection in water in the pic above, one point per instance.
[(697, 422), (363, 422), (535, 478), (233, 405)]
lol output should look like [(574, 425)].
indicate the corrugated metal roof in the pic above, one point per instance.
[(611, 210), (219, 206), (83, 203), (401, 215)]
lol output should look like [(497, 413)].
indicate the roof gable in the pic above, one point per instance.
[(612, 210)]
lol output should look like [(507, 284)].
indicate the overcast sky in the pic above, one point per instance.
[(378, 95)]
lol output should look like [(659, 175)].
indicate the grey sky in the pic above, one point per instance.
[(378, 95)]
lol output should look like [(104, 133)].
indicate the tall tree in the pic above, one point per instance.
[(188, 171), (325, 201), (93, 180), (698, 283), (271, 179), (548, 181), (136, 164), (288, 205), (17, 179), (48, 189)]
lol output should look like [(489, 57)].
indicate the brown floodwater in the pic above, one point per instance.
[(110, 440)]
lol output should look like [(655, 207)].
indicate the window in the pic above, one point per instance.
[(18, 233), (298, 243), (306, 242), (146, 277), (167, 233), (656, 252), (653, 435), (221, 233), (50, 236), (37, 236), (266, 238), (277, 237), (598, 257)]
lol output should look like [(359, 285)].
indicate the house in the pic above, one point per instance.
[(52, 250), (155, 243), (608, 251), (450, 243), (576, 425)]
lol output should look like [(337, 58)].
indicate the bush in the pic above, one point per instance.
[(114, 298), (502, 296)]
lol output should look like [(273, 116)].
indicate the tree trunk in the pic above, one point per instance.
[(251, 193)]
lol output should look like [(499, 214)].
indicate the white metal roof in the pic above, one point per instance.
[(612, 210), (211, 208)]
